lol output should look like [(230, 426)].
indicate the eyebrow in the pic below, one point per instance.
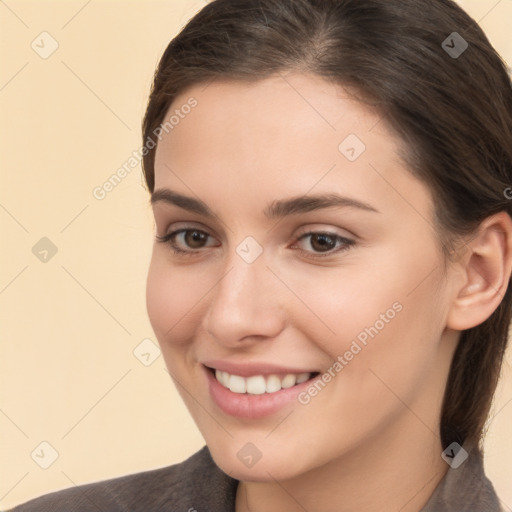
[(277, 209)]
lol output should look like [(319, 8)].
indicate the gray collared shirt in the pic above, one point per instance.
[(197, 484), (465, 488)]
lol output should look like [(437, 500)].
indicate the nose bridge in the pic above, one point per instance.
[(245, 301)]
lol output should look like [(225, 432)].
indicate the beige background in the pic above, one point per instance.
[(70, 325)]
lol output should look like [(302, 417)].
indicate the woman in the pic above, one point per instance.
[(329, 280)]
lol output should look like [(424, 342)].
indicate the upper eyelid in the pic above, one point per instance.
[(302, 231), (187, 226), (327, 231), (192, 224)]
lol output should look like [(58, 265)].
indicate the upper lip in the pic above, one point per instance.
[(248, 369)]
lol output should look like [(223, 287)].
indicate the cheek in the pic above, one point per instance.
[(396, 370), (339, 305), (385, 315), (173, 298)]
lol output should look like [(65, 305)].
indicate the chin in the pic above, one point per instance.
[(262, 471), (251, 464)]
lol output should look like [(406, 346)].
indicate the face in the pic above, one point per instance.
[(297, 286)]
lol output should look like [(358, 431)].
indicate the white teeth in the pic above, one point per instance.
[(288, 381), (273, 384), (237, 384), (222, 377), (258, 384), (303, 377)]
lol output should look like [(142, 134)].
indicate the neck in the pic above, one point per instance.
[(390, 472)]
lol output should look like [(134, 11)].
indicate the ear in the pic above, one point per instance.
[(486, 267)]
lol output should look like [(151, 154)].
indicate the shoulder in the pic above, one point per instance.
[(196, 483)]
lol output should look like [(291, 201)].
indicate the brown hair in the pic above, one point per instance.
[(453, 112)]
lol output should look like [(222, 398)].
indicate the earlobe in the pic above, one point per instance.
[(486, 266)]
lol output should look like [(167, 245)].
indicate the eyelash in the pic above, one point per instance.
[(347, 243)]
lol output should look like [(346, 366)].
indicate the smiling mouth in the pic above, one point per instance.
[(260, 384)]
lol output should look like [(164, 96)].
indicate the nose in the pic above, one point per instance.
[(246, 304)]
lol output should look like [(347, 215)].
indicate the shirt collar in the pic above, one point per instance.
[(464, 487)]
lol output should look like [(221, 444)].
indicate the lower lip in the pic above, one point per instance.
[(252, 406)]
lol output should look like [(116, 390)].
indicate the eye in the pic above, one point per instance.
[(187, 241), (323, 243)]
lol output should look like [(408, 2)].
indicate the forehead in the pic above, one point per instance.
[(285, 134), (285, 104)]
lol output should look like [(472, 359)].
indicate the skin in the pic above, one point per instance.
[(369, 440)]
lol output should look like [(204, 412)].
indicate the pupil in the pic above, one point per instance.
[(195, 239), (322, 242)]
